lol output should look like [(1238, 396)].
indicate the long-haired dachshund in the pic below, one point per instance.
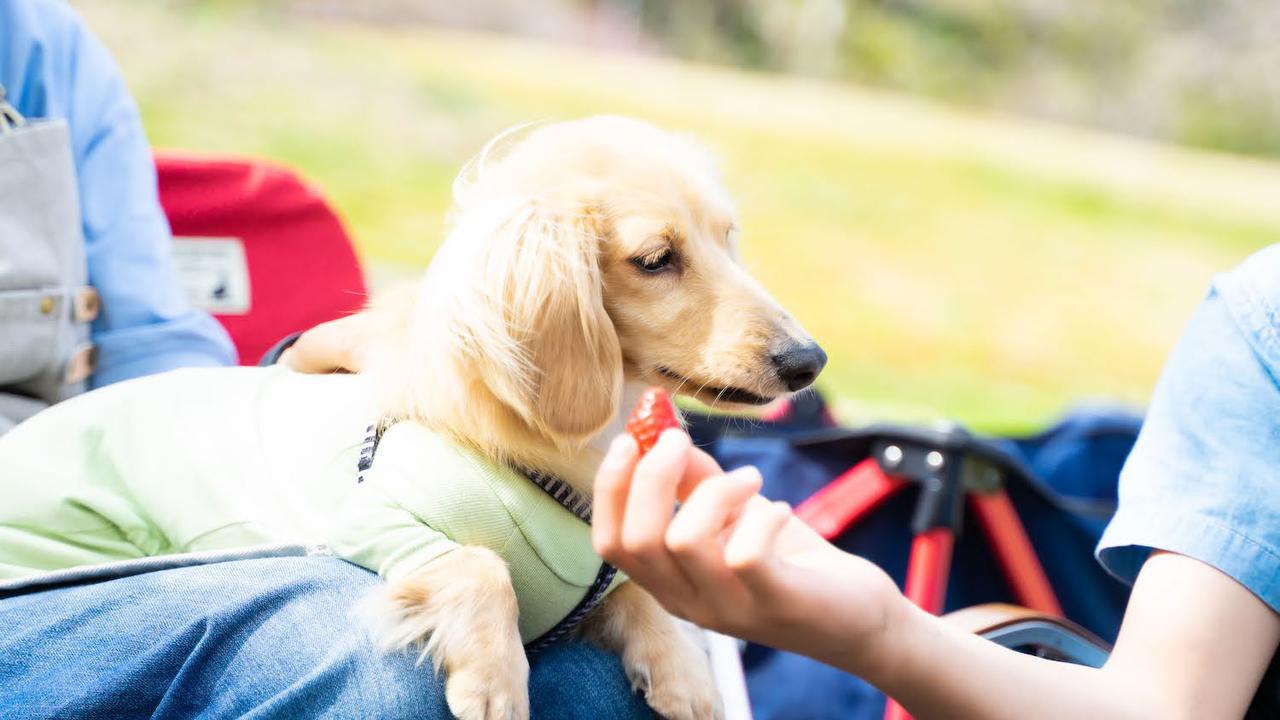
[(586, 261)]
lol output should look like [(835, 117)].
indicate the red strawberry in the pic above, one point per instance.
[(653, 414)]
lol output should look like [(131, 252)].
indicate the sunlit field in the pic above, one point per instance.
[(987, 269)]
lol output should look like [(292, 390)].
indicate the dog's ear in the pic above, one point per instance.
[(560, 366)]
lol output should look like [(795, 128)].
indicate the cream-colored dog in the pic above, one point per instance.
[(588, 260)]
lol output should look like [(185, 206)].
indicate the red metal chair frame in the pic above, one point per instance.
[(866, 486)]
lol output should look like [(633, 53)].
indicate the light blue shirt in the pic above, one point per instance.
[(51, 67), (1204, 477)]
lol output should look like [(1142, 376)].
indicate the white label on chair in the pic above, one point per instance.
[(214, 273)]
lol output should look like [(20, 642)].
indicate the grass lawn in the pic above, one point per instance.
[(988, 269)]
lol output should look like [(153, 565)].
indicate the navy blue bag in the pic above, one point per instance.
[(1065, 505)]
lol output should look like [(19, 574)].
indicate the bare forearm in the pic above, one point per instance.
[(939, 671)]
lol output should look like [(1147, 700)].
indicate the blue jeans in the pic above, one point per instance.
[(267, 638)]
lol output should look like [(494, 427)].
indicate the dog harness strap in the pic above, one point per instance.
[(560, 491), (589, 602), (373, 434), (580, 505)]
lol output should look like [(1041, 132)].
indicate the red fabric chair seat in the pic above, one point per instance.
[(232, 217)]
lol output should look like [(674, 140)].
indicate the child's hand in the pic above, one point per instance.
[(733, 561)]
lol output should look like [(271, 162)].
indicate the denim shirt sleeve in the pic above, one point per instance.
[(51, 66), (1203, 479)]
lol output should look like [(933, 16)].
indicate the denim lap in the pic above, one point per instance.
[(270, 638)]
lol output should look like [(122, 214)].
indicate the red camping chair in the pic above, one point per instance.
[(257, 247), (949, 468)]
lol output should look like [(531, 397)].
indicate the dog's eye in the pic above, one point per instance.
[(654, 262)]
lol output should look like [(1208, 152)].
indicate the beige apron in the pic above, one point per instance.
[(45, 304)]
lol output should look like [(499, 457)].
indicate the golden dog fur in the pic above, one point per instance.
[(586, 260)]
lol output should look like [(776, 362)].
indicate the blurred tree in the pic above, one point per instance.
[(1190, 71), (1202, 73)]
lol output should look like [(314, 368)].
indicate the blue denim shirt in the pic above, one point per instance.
[(50, 66), (1204, 477)]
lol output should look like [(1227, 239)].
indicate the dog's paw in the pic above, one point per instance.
[(676, 680), (490, 690), (460, 613)]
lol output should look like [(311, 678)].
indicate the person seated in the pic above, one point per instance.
[(51, 68)]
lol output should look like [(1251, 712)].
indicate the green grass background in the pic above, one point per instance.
[(982, 268)]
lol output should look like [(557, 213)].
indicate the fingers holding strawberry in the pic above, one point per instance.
[(637, 486), (653, 414)]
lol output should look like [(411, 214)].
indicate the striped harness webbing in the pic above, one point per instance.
[(372, 436), (560, 491)]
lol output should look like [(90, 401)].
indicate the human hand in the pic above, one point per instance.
[(335, 346), (733, 561)]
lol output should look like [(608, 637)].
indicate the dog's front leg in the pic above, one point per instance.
[(460, 611), (660, 658)]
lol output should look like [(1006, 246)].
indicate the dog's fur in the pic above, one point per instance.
[(533, 331)]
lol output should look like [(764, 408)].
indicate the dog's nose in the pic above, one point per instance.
[(799, 365)]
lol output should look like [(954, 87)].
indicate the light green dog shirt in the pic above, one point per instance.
[(221, 458)]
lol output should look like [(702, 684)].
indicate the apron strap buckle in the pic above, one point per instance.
[(85, 304), (9, 116), (81, 364)]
